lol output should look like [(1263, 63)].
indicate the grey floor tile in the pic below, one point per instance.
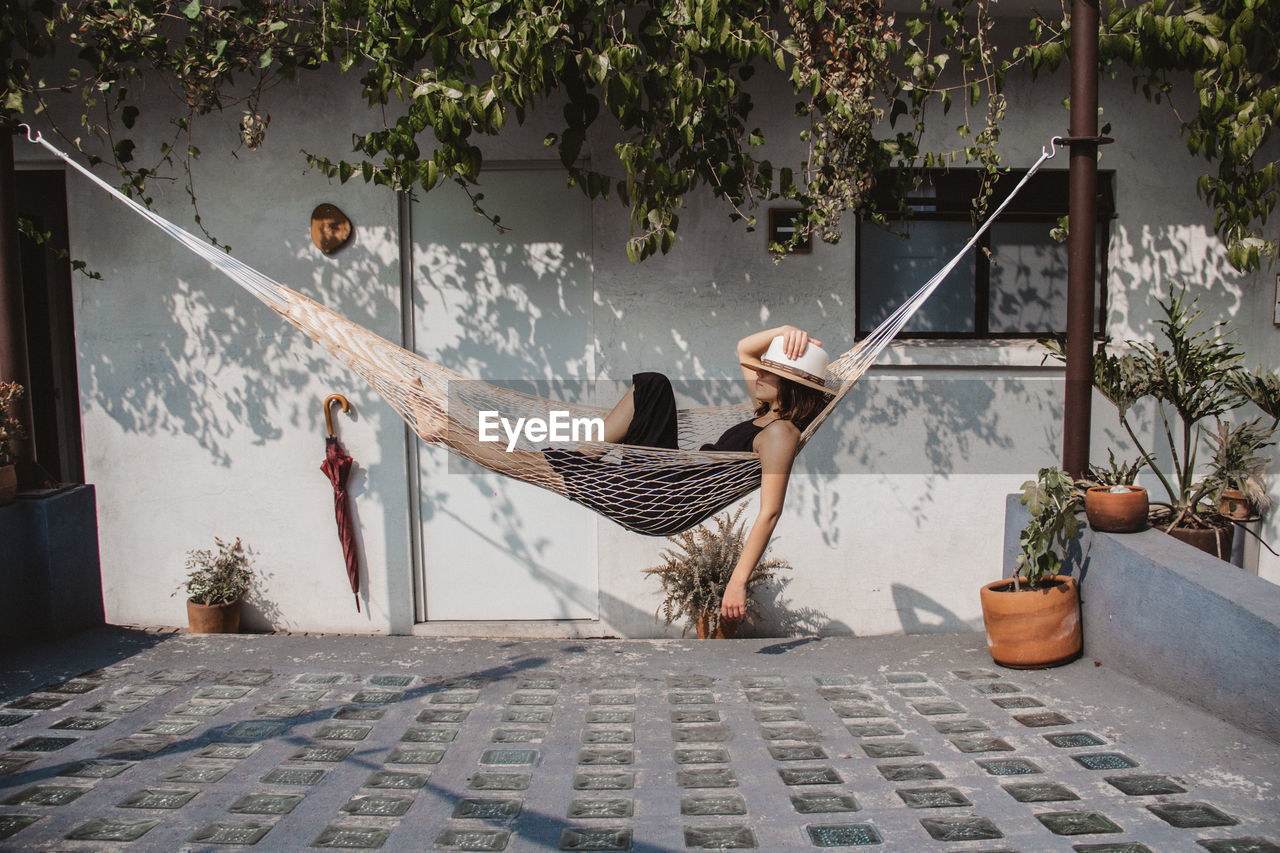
[(564, 753)]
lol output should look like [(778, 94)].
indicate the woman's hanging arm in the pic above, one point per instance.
[(777, 448)]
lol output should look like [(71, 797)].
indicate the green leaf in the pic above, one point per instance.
[(192, 9), (570, 147)]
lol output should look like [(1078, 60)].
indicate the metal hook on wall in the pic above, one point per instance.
[(328, 412)]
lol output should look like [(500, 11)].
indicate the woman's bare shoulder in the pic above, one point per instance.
[(778, 438)]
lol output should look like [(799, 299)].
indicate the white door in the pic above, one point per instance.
[(503, 308)]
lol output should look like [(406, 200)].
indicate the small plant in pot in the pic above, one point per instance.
[(216, 584), (1237, 480), (1033, 619), (696, 570), (1112, 502), (11, 432)]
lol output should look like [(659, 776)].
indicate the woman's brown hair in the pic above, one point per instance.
[(797, 403)]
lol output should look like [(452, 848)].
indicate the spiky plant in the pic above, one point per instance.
[(1113, 473), (696, 570), (1193, 376)]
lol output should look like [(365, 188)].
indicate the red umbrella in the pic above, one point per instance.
[(337, 466)]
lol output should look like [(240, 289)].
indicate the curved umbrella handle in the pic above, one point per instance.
[(328, 413)]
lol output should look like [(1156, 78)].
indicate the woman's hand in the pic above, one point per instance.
[(733, 605), (795, 341)]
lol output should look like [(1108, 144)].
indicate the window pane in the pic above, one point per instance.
[(1028, 279), (894, 268)]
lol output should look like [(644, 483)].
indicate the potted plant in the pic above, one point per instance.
[(11, 431), (216, 584), (1194, 378), (1033, 619), (695, 571), (1112, 502), (1236, 480)]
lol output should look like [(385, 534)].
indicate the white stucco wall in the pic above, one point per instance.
[(202, 415), (202, 410)]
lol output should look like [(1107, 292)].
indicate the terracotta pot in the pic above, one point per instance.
[(8, 484), (1233, 504), (213, 618), (1116, 512), (1214, 541), (1033, 628), (724, 631)]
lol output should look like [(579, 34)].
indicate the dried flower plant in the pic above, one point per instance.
[(695, 572), (11, 429)]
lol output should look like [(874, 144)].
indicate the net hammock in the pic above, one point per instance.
[(654, 491)]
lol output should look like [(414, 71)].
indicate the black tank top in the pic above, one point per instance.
[(738, 438)]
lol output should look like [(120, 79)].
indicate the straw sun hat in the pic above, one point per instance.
[(810, 369)]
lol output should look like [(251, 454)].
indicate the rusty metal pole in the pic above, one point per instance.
[(1081, 242)]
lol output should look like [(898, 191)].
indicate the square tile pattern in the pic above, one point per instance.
[(897, 760)]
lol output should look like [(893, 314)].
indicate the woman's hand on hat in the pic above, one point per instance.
[(796, 341)]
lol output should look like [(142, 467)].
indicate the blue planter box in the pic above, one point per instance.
[(49, 570)]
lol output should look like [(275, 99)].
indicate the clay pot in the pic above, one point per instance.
[(8, 484), (724, 631), (1033, 628), (1214, 541), (1116, 512), (1233, 504), (213, 618)]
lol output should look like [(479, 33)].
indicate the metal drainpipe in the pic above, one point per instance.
[(1081, 242), (412, 446)]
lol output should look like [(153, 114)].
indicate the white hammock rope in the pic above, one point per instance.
[(649, 490)]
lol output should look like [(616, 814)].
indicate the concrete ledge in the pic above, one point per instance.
[(49, 568), (1193, 626)]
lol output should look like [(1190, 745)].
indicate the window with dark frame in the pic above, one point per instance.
[(1013, 285)]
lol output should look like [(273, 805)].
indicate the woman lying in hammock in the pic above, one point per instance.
[(784, 370), (787, 391)]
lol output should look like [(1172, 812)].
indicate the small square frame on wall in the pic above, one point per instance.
[(782, 225)]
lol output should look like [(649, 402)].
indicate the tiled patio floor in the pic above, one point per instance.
[(170, 742)]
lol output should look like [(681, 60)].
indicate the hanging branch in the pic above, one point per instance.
[(671, 81)]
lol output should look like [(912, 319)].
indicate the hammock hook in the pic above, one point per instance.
[(328, 413), (31, 130)]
